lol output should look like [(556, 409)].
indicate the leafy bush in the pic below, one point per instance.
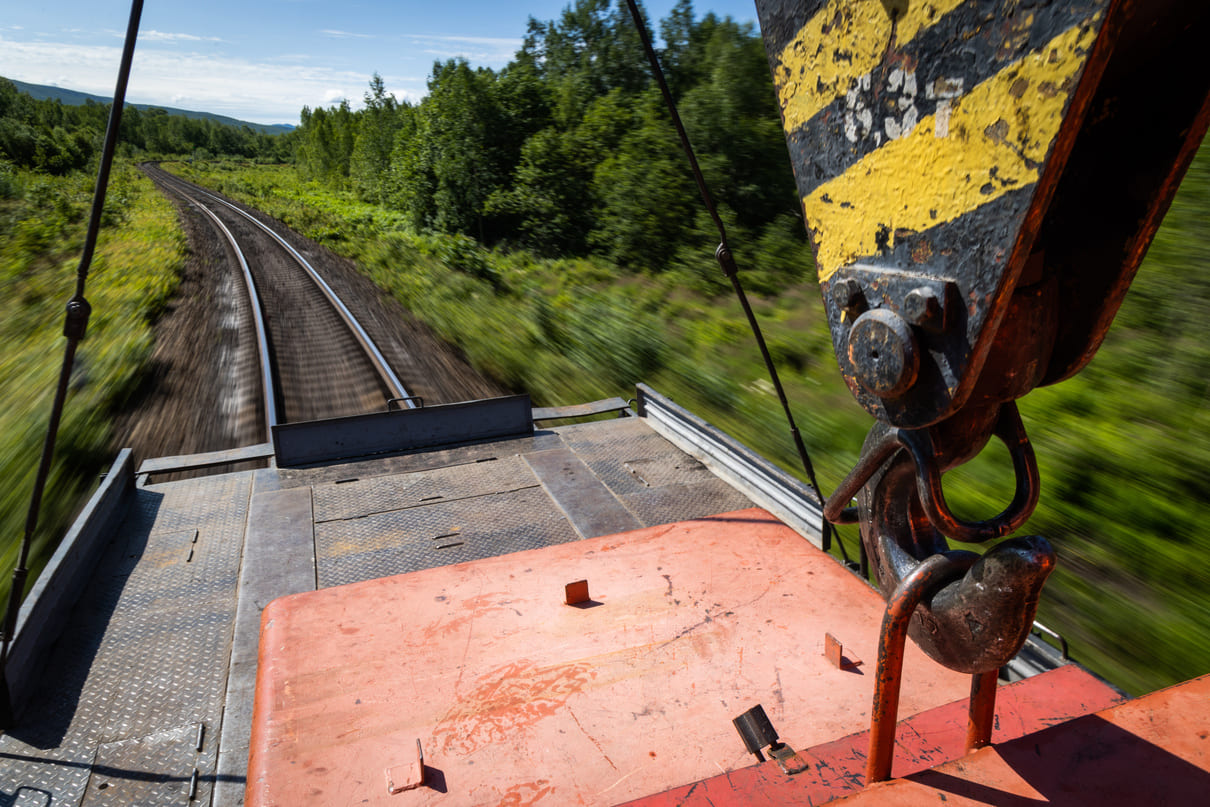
[(134, 272)]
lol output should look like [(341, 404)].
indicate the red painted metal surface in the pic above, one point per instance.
[(1151, 751), (924, 580), (923, 741), (981, 716), (519, 698)]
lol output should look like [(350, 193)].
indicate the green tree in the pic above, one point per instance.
[(645, 191), (454, 159), (732, 120), (377, 126)]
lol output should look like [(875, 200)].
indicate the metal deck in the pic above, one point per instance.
[(160, 650), (146, 697), (143, 661)]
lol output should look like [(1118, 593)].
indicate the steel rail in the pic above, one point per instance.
[(388, 376), (258, 320)]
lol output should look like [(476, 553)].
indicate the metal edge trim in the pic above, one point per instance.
[(760, 480), (44, 612), (401, 430), (188, 462)]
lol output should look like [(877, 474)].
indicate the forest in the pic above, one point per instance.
[(568, 151), (53, 138), (541, 218)]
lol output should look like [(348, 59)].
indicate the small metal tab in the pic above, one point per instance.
[(834, 650), (577, 592), (787, 759), (756, 730), (408, 776)]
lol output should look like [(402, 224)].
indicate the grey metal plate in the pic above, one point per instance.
[(145, 651), (629, 457), (437, 535), (365, 435), (411, 462), (656, 481), (664, 505), (153, 770), (363, 497), (590, 506)]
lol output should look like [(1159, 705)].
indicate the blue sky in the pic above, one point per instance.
[(263, 60)]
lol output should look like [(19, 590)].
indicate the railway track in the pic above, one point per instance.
[(314, 358)]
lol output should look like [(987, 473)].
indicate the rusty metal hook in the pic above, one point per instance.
[(924, 580), (884, 440), (976, 623), (1011, 431)]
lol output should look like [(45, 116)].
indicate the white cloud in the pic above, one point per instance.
[(493, 51), (346, 35), (498, 41), (160, 36), (262, 92)]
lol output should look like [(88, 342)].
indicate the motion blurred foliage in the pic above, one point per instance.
[(1122, 447), (134, 272)]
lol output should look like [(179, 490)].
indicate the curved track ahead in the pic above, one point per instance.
[(321, 361)]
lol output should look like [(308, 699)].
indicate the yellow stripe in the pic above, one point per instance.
[(997, 139), (842, 42)]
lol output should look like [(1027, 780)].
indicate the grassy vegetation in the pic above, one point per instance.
[(134, 272), (1122, 447)]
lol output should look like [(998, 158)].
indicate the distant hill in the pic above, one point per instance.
[(75, 98)]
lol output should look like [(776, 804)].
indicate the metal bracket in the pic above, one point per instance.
[(394, 404), (757, 732)]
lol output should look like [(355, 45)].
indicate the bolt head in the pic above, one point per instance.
[(922, 307), (882, 353), (847, 294)]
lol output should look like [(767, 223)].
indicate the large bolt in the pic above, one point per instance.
[(923, 308), (848, 296), (882, 352)]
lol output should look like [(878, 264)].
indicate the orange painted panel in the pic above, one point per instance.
[(837, 768), (518, 698), (1151, 751)]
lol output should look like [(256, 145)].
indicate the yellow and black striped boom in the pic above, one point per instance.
[(981, 179)]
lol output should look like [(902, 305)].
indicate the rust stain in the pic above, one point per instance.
[(922, 251), (509, 698), (526, 794), (998, 132)]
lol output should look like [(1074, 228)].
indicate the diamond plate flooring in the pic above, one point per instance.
[(654, 479), (144, 660)]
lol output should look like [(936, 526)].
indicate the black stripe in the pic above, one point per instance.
[(970, 249), (781, 20), (973, 42)]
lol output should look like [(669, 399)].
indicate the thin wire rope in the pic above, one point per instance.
[(727, 261), (74, 328)]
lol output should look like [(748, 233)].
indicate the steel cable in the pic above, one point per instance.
[(726, 261), (74, 328)]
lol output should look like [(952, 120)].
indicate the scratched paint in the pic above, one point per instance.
[(997, 137), (844, 41), (507, 700)]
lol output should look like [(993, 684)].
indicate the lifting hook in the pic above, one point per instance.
[(977, 622)]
